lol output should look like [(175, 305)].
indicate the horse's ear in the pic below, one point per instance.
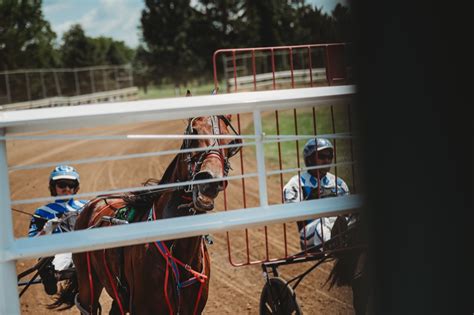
[(188, 93)]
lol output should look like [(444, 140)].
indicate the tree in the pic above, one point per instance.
[(166, 26), (77, 49), (119, 53), (141, 71), (344, 23), (26, 38)]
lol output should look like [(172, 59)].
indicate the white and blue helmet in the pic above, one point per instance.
[(64, 172), (313, 144)]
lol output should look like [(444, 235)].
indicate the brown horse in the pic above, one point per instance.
[(168, 277)]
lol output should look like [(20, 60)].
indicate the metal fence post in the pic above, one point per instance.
[(56, 82), (91, 74), (104, 79), (28, 89), (117, 84), (76, 80), (262, 176), (7, 84), (9, 300), (130, 73), (42, 84)]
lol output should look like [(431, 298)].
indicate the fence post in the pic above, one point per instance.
[(9, 300), (261, 170), (43, 87), (56, 82), (76, 80), (91, 74), (7, 84), (104, 80), (130, 73), (117, 84), (28, 89)]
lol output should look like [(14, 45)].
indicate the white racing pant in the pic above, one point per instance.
[(62, 261), (316, 232)]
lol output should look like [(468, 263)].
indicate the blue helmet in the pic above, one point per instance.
[(64, 172), (312, 144)]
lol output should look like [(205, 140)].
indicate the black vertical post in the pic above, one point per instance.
[(7, 85), (413, 96)]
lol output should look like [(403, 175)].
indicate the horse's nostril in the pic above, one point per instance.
[(211, 189), (203, 175)]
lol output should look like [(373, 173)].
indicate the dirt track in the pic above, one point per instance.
[(233, 290)]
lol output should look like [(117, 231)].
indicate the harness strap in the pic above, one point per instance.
[(82, 309), (114, 288), (202, 283), (91, 283), (172, 261)]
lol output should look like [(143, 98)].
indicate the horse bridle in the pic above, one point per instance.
[(195, 161)]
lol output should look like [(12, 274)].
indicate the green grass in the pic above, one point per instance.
[(168, 90)]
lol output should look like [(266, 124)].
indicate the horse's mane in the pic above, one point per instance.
[(143, 200)]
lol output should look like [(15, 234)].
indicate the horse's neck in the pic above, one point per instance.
[(185, 249), (167, 205), (176, 171)]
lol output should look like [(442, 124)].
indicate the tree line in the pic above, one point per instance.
[(177, 38)]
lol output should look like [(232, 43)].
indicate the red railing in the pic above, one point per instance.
[(333, 69)]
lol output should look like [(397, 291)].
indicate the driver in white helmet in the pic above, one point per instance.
[(315, 184), (63, 181)]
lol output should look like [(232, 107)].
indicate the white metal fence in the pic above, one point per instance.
[(32, 84), (14, 122), (126, 94)]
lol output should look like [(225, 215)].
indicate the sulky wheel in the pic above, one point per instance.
[(278, 298)]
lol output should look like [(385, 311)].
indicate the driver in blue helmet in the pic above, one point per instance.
[(315, 184), (63, 182)]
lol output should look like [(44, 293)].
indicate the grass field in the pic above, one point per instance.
[(165, 91)]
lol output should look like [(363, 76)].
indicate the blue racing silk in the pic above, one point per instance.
[(305, 187), (56, 209)]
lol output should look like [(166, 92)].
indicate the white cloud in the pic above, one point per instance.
[(110, 18), (116, 19), (54, 7)]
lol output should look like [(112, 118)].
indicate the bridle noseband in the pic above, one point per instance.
[(194, 162)]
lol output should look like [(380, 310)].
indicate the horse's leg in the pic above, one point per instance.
[(88, 300)]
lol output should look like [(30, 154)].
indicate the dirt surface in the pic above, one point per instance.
[(233, 290)]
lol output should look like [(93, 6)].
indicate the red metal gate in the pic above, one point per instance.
[(283, 66), (270, 68)]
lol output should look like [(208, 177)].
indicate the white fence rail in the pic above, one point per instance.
[(12, 122), (265, 80), (127, 94)]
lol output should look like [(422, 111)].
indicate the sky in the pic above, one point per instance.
[(118, 19)]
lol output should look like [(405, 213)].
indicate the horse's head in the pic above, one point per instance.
[(212, 163)]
